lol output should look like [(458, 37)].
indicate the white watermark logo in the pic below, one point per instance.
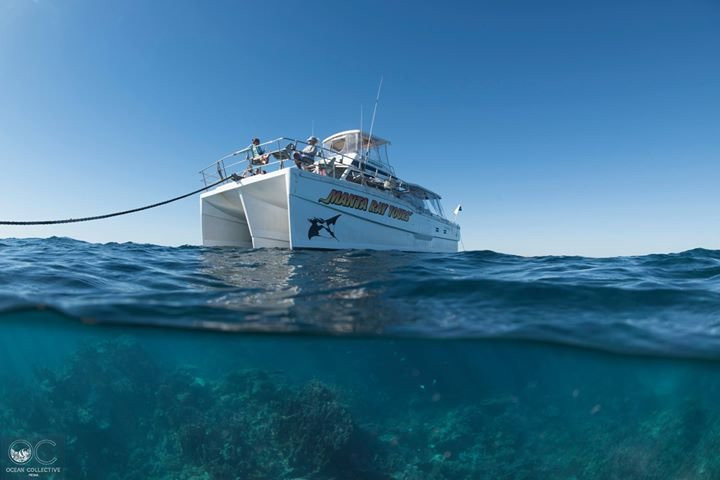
[(39, 458), (20, 452)]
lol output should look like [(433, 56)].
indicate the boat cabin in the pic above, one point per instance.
[(367, 162), (355, 147), (351, 155)]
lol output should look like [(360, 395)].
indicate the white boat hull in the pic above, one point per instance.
[(292, 208)]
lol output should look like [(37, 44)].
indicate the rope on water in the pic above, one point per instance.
[(117, 214)]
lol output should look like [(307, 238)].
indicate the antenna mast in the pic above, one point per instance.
[(372, 123)]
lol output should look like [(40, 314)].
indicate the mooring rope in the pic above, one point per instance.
[(117, 214)]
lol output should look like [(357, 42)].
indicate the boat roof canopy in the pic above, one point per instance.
[(346, 141), (375, 141)]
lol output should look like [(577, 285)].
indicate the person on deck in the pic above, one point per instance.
[(306, 157), (259, 157)]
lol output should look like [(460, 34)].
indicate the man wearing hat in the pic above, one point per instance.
[(307, 156)]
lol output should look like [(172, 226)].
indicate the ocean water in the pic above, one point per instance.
[(128, 361)]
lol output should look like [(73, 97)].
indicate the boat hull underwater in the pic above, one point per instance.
[(293, 208)]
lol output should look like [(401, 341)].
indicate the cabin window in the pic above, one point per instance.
[(345, 144), (338, 144), (351, 143)]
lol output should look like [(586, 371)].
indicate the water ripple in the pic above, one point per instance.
[(659, 304)]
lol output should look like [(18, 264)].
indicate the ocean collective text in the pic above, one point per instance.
[(358, 202)]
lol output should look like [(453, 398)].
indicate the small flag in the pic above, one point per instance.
[(457, 210)]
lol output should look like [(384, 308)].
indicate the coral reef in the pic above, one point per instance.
[(313, 426), (128, 416)]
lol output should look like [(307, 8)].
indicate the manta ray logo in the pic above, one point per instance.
[(317, 225)]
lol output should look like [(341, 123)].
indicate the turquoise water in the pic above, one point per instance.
[(193, 363)]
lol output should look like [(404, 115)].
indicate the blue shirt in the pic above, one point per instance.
[(256, 150)]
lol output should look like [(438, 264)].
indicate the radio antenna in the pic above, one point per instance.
[(372, 123)]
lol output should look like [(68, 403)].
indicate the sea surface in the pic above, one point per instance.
[(130, 361)]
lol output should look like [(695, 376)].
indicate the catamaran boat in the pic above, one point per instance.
[(342, 194)]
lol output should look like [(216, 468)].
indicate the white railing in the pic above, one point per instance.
[(239, 162), (278, 154)]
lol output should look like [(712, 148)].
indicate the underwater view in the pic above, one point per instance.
[(130, 361)]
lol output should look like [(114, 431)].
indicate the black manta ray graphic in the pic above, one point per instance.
[(317, 225)]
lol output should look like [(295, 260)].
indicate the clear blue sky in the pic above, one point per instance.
[(563, 127)]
